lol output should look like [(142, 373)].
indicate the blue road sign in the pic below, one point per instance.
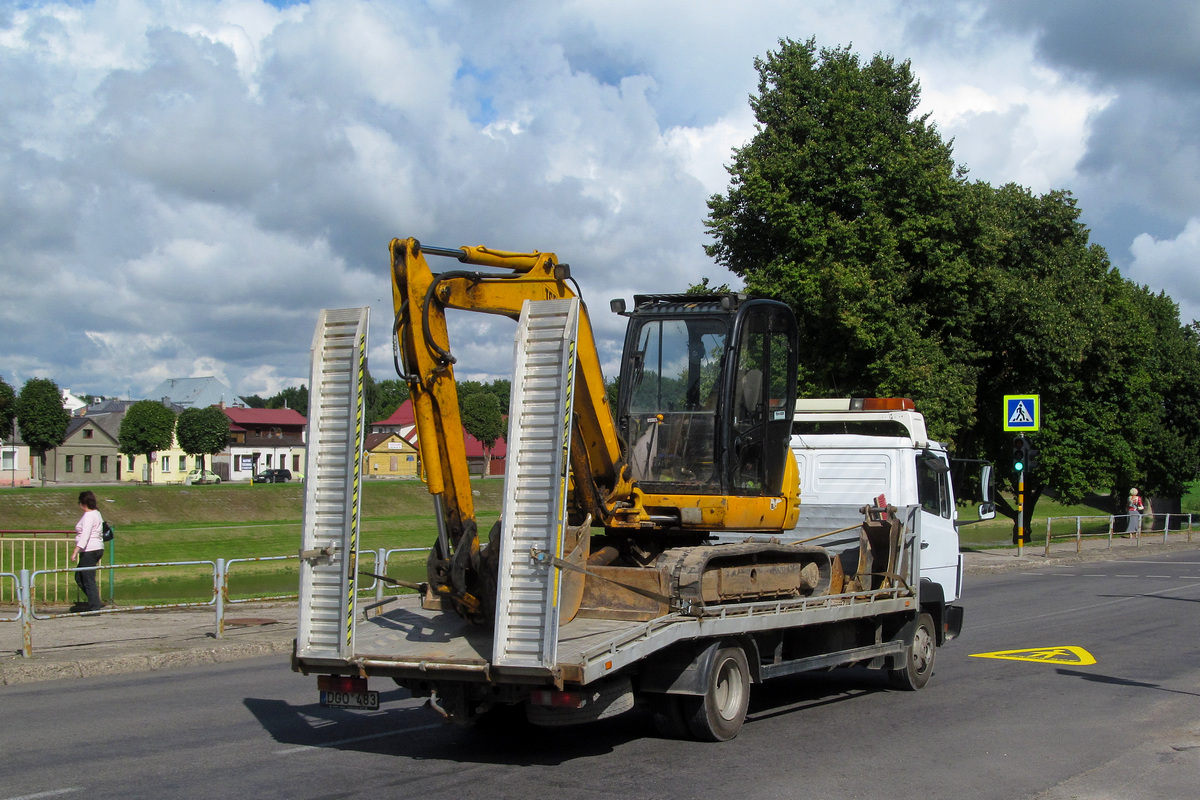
[(1022, 412)]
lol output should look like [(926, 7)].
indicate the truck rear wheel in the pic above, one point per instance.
[(918, 658), (667, 711), (717, 716)]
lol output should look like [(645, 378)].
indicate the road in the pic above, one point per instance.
[(1126, 726)]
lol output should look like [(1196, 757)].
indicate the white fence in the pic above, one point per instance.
[(25, 586), (1097, 527)]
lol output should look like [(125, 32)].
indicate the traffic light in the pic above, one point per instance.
[(1020, 454), (1031, 456)]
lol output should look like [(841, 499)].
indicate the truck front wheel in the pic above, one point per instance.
[(918, 658), (717, 716)]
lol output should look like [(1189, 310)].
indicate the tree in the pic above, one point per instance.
[(294, 397), (202, 432), (8, 408), (392, 392), (148, 426), (842, 206), (41, 417), (481, 418), (255, 401), (909, 280)]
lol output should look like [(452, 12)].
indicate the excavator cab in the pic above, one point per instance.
[(706, 391)]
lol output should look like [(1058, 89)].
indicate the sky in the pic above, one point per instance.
[(185, 183)]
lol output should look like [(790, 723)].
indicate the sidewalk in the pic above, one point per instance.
[(139, 641)]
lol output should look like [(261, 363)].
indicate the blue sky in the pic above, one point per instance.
[(184, 184)]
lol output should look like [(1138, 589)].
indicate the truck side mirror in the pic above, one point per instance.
[(987, 508)]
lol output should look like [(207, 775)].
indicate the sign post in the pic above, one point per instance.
[(1023, 413)]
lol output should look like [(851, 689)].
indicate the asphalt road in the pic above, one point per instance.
[(1126, 726)]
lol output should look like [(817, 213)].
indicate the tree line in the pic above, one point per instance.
[(909, 279)]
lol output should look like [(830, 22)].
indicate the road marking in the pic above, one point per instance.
[(1044, 655), (353, 739), (50, 793)]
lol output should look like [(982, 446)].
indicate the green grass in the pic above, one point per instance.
[(237, 521), (157, 524)]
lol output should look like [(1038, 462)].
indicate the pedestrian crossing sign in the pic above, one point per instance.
[(1022, 412)]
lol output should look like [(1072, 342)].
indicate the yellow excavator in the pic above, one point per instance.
[(697, 445)]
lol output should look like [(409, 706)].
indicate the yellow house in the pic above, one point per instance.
[(164, 467), (389, 455)]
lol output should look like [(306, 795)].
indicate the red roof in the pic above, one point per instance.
[(265, 416), (401, 416)]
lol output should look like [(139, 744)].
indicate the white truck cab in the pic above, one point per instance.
[(855, 452)]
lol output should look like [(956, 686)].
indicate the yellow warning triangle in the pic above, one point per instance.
[(1076, 656)]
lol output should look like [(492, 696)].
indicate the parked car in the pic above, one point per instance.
[(273, 476), (199, 476)]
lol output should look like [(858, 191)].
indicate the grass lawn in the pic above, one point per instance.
[(157, 524)]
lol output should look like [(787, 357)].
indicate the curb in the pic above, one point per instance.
[(12, 674)]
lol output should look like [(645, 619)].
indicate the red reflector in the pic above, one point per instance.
[(546, 697), (341, 683)]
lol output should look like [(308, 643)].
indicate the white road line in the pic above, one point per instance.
[(351, 740), (1159, 576), (1126, 576), (50, 793)]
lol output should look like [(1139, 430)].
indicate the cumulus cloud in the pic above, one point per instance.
[(183, 185), (1171, 262)]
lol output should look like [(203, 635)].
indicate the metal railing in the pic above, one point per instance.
[(1099, 526), (36, 550), (24, 585)]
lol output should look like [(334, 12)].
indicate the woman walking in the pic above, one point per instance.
[(89, 547)]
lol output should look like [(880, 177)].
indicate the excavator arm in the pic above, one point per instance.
[(420, 299)]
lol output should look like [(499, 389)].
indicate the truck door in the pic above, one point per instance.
[(939, 537)]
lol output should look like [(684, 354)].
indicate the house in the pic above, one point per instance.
[(389, 455), (262, 438), (403, 423), (87, 455), (71, 403), (193, 392), (14, 461)]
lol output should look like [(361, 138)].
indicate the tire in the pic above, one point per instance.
[(918, 658), (667, 711), (718, 715)]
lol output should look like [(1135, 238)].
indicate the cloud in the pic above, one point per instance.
[(1171, 262), (183, 186)]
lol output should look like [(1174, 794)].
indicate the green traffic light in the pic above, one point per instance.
[(1019, 466)]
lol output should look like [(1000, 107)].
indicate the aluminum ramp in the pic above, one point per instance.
[(332, 499), (535, 485)]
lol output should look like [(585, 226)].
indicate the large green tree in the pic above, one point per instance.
[(842, 205), (909, 280), (148, 426), (202, 432), (41, 417)]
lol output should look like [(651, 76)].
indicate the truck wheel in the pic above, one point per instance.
[(718, 715), (667, 711), (918, 660)]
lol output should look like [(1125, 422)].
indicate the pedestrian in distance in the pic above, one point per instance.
[(89, 547), (1134, 508)]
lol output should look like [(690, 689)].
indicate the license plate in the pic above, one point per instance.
[(368, 699)]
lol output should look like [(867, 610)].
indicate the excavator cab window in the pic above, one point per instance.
[(701, 415), (674, 385)]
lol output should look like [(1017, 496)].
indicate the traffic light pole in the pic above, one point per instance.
[(1020, 513)]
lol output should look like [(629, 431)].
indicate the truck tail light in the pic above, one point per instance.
[(547, 697), (341, 683)]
